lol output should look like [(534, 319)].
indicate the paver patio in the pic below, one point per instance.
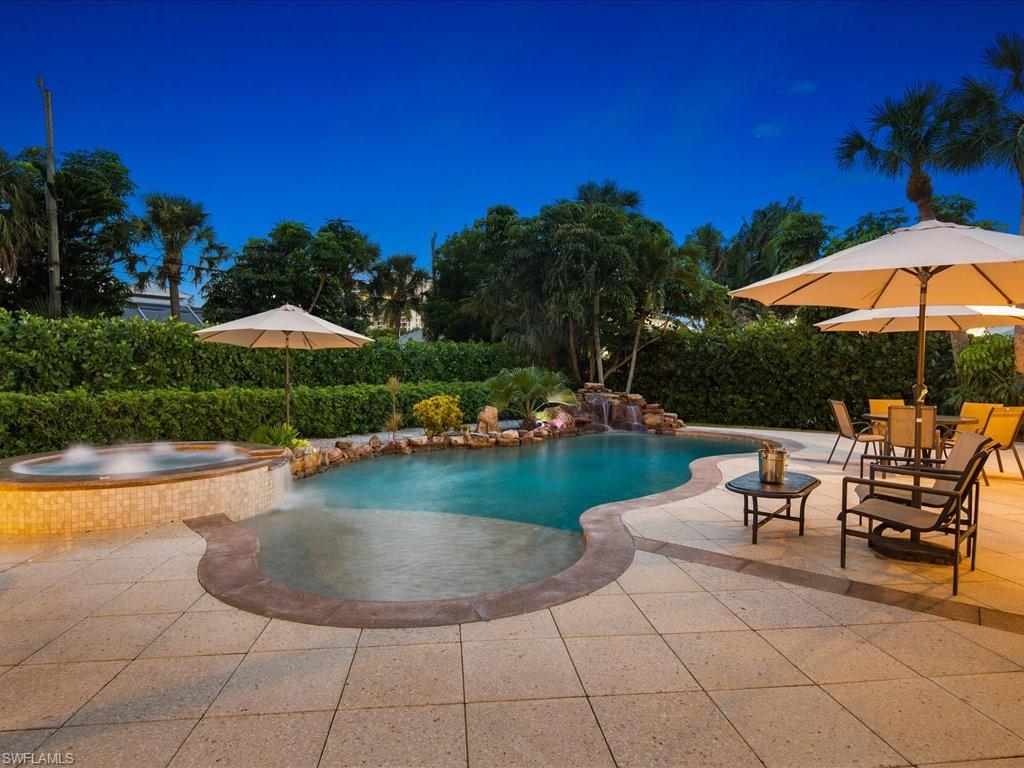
[(110, 649)]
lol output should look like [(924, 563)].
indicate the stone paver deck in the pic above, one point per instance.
[(111, 650)]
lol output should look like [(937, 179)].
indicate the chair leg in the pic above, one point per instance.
[(999, 459), (956, 556), (849, 454), (984, 477), (1020, 464), (842, 543), (834, 446)]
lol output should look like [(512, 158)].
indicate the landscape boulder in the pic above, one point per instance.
[(487, 419)]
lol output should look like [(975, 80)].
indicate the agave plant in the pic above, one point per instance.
[(524, 391)]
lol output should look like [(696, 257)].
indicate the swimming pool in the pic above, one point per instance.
[(457, 523)]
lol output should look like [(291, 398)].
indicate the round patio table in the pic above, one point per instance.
[(942, 421), (794, 486)]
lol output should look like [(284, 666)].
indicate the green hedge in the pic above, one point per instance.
[(47, 422), (42, 355), (776, 374)]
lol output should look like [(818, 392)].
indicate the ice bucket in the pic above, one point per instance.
[(771, 464)]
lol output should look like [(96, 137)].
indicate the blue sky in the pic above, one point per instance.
[(407, 118)]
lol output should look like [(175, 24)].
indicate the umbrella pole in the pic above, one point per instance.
[(287, 383)]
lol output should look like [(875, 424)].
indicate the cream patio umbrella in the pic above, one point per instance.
[(288, 327), (937, 318), (932, 261)]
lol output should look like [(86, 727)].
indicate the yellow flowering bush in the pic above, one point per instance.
[(438, 414)]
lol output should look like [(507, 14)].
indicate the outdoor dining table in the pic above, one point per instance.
[(942, 421)]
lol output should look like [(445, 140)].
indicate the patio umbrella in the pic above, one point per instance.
[(933, 260), (937, 318), (287, 327)]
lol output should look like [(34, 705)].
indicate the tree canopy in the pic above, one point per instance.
[(292, 265), (93, 190)]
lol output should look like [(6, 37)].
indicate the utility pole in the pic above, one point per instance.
[(51, 201)]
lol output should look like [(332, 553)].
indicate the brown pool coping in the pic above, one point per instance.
[(230, 569), (257, 456)]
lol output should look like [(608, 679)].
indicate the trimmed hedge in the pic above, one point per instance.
[(38, 354), (776, 374), (48, 422)]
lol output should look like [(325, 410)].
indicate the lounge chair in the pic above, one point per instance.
[(893, 504), (1003, 427)]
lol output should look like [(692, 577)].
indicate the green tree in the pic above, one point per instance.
[(608, 192), (465, 262), (93, 190), (592, 264), (21, 230), (294, 266), (778, 237), (905, 137), (990, 127), (175, 225), (396, 289)]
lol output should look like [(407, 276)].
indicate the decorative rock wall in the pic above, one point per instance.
[(619, 410)]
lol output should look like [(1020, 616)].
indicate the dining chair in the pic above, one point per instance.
[(903, 429), (857, 431), (1003, 427)]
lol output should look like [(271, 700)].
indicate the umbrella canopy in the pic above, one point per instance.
[(931, 261), (288, 327), (937, 318), (962, 264)]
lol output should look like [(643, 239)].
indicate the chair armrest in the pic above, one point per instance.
[(932, 474), (892, 486)]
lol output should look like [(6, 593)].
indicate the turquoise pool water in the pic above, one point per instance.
[(456, 523)]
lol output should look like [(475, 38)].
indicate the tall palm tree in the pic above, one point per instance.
[(609, 193), (990, 127), (905, 137), (397, 287), (175, 224), (21, 222)]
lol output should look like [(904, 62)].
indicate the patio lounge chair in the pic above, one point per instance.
[(957, 515), (857, 431), (1003, 427)]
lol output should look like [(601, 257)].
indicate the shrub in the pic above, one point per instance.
[(438, 414), (523, 391), (49, 422), (284, 435), (987, 372), (38, 354), (778, 374)]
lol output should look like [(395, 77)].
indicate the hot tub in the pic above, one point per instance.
[(85, 489)]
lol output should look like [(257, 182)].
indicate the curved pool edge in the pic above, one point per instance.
[(230, 570)]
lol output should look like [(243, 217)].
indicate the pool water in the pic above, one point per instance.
[(82, 460), (457, 523)]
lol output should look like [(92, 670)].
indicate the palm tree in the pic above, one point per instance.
[(657, 263), (21, 227), (397, 287), (609, 193), (990, 128), (905, 137), (175, 224)]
